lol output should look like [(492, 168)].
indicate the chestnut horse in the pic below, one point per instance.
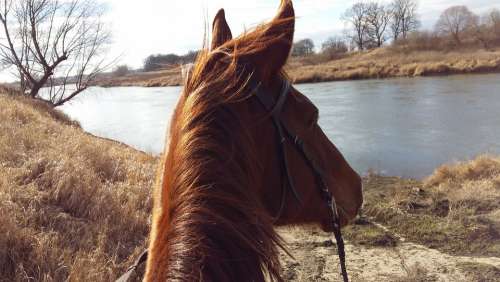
[(221, 178)]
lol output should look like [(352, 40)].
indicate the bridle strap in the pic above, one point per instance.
[(327, 196), (275, 108), (265, 97), (341, 250)]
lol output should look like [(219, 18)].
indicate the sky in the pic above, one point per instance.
[(144, 27)]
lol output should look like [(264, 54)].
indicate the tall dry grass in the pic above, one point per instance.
[(456, 209), (472, 188), (471, 191), (73, 207), (392, 62)]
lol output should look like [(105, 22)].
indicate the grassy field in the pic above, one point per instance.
[(75, 207), (379, 63)]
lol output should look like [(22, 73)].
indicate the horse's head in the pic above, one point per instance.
[(223, 175), (264, 53)]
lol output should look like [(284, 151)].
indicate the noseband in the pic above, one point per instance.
[(265, 97)]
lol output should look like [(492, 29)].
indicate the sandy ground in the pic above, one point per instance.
[(316, 260)]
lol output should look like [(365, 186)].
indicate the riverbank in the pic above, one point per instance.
[(388, 62), (76, 207), (160, 78), (379, 63)]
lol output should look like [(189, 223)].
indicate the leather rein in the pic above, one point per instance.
[(265, 97)]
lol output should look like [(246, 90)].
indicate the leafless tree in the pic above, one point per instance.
[(481, 34), (53, 44), (486, 29), (492, 19), (377, 19), (335, 44), (455, 21), (334, 47), (304, 47), (356, 18), (404, 18), (121, 70)]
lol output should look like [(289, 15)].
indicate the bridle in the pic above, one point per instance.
[(265, 97)]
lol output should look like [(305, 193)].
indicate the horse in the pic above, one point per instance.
[(222, 187)]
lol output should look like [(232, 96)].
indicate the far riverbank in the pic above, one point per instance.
[(375, 64)]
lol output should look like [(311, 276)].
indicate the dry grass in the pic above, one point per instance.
[(73, 207), (368, 235), (388, 62), (480, 272), (167, 77), (379, 63), (473, 188), (456, 209), (415, 273)]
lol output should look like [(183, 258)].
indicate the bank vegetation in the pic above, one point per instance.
[(73, 207)]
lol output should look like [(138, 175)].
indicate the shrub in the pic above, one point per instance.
[(420, 41), (121, 70), (304, 47), (334, 48)]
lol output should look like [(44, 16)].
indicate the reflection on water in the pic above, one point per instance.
[(402, 127), (133, 115)]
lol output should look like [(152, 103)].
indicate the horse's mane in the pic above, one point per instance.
[(208, 219)]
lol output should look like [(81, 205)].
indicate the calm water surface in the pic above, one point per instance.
[(403, 127)]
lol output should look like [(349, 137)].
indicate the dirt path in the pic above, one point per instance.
[(316, 260)]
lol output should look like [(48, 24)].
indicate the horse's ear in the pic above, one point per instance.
[(279, 33), (221, 33)]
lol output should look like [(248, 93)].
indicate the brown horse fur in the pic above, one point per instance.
[(220, 178)]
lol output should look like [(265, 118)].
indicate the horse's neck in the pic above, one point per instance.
[(215, 228), (221, 241)]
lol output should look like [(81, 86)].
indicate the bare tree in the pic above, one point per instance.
[(481, 33), (377, 18), (304, 47), (334, 44), (334, 47), (53, 44), (455, 21), (492, 19), (356, 18), (404, 18), (486, 29)]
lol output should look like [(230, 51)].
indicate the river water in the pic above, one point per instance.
[(404, 126)]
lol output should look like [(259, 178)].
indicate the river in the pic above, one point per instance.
[(404, 126)]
